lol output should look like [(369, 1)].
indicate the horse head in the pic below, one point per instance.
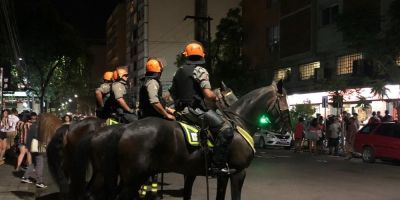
[(267, 104)]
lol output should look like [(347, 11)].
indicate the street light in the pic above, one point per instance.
[(70, 100), (76, 96)]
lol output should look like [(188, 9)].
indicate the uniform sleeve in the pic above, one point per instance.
[(200, 74), (152, 90), (104, 88), (118, 90)]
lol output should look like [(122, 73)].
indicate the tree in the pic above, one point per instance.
[(228, 61), (52, 52), (301, 110)]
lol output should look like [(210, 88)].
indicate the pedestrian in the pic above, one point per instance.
[(321, 137), (35, 170), (358, 123), (333, 136), (22, 130), (299, 134), (378, 114), (314, 132), (4, 126), (67, 119), (374, 119), (387, 117), (350, 138), (11, 132)]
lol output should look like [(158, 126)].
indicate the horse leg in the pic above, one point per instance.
[(222, 182), (237, 181), (187, 189)]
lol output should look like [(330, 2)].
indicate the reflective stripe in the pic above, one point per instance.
[(154, 190), (111, 121), (154, 185), (247, 137)]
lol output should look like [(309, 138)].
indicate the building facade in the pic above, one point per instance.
[(116, 36), (157, 29), (301, 43)]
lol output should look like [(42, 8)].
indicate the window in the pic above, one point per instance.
[(329, 15), (385, 130), (307, 70), (282, 73), (345, 63), (273, 37)]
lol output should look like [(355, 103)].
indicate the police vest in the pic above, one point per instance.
[(187, 91), (145, 107)]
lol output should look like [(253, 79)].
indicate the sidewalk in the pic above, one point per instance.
[(11, 187)]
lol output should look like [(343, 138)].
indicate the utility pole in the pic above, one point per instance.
[(202, 32)]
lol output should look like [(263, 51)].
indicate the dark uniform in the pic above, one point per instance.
[(150, 92), (186, 90)]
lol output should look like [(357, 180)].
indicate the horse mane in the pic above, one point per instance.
[(253, 95), (48, 123)]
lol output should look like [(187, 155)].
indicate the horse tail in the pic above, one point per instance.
[(55, 157), (79, 163)]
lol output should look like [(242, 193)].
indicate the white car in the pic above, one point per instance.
[(264, 138)]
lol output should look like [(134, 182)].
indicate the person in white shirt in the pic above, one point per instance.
[(3, 134), (12, 122)]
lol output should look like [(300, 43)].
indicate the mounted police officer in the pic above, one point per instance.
[(103, 95), (190, 88), (151, 104), (119, 96)]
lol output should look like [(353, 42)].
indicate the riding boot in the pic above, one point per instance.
[(221, 151)]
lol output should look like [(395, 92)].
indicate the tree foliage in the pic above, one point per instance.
[(227, 58), (54, 56)]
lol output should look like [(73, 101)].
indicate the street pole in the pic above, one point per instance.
[(208, 46)]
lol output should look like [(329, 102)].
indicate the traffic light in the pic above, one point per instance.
[(264, 120)]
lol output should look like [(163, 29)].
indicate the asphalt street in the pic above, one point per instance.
[(274, 174)]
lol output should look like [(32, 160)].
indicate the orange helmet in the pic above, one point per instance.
[(194, 49), (108, 76), (120, 72), (153, 65)]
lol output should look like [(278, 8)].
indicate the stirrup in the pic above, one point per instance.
[(217, 171)]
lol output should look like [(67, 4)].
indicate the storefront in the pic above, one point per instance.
[(350, 101)]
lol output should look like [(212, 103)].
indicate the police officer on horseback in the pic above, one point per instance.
[(103, 95), (151, 102), (119, 96), (190, 87)]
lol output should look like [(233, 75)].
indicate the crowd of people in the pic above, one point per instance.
[(333, 134), (18, 131)]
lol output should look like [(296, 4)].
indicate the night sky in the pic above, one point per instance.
[(87, 16)]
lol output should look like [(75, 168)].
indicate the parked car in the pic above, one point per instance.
[(378, 141), (264, 138)]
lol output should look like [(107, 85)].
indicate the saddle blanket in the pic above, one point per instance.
[(193, 138)]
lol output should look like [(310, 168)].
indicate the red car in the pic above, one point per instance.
[(378, 141)]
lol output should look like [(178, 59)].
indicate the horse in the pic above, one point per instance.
[(153, 145), (60, 150)]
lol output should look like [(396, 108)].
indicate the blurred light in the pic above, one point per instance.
[(70, 100), (76, 96), (62, 104), (25, 104), (66, 102), (20, 59)]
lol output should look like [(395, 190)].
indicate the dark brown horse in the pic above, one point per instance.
[(154, 145), (65, 143)]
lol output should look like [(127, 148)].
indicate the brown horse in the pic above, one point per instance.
[(60, 149), (153, 145)]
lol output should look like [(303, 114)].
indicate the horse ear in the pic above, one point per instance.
[(280, 86)]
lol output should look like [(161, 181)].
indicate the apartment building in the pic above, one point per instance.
[(300, 42), (157, 29), (116, 36)]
